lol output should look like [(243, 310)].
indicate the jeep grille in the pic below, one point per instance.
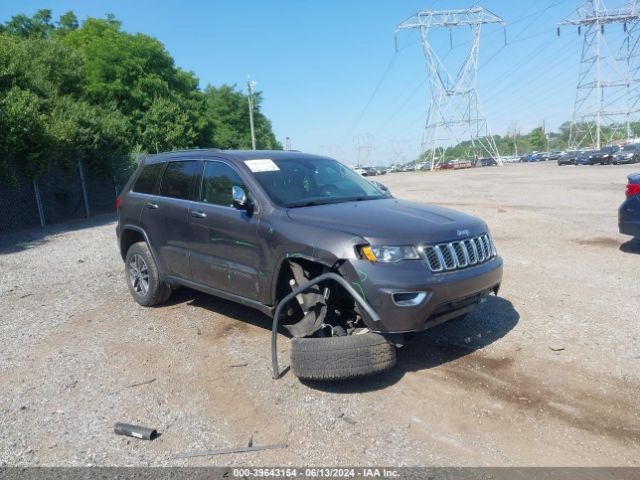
[(446, 257)]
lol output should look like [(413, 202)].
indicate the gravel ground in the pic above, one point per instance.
[(545, 374)]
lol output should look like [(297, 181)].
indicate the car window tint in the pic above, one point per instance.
[(217, 182), (178, 178), (146, 182)]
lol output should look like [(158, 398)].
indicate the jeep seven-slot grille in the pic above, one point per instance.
[(446, 257)]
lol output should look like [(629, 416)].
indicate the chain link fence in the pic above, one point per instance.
[(60, 195)]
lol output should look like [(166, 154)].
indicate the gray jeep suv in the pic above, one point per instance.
[(251, 226)]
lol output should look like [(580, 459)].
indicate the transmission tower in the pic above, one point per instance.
[(608, 86), (454, 113)]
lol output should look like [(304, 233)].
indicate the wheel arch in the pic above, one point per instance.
[(280, 284), (130, 234)]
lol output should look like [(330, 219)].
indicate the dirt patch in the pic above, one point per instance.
[(599, 241), (589, 410)]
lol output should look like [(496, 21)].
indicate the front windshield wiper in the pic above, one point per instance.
[(313, 203), (306, 204)]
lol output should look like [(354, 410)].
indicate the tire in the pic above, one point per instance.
[(143, 279), (338, 358)]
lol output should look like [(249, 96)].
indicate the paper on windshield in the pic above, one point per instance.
[(261, 165)]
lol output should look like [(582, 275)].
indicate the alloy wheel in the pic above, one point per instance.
[(139, 274)]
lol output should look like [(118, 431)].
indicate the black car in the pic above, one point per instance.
[(629, 211), (603, 156), (251, 226), (569, 157), (628, 154), (488, 162)]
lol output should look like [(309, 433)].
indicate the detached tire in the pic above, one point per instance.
[(337, 358)]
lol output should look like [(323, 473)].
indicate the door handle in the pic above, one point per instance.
[(198, 214), (151, 205)]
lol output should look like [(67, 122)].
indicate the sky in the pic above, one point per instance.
[(329, 72)]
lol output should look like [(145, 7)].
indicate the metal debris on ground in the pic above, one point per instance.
[(224, 451), (136, 431), (146, 382)]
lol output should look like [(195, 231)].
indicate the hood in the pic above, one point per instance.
[(391, 221)]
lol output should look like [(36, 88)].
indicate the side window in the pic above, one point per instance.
[(147, 180), (217, 181), (178, 179)]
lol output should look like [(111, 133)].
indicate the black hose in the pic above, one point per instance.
[(276, 317)]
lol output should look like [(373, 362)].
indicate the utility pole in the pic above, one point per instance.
[(608, 88), (454, 112), (250, 85), (546, 136)]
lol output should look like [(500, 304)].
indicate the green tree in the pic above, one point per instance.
[(23, 131), (39, 25), (537, 140), (165, 126), (95, 135), (91, 92), (227, 111)]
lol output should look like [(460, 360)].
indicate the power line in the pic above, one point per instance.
[(375, 91)]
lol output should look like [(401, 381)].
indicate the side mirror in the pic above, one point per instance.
[(239, 197)]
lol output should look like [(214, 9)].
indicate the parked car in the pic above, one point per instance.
[(629, 211), (533, 157), (252, 226), (447, 165), (360, 171), (603, 156), (629, 153), (370, 172), (488, 162), (569, 157), (585, 157), (458, 164), (553, 155)]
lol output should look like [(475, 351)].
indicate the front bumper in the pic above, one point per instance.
[(624, 160), (440, 296)]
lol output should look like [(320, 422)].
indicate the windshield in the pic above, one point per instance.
[(629, 148), (300, 182)]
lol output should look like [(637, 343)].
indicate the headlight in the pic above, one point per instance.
[(390, 254)]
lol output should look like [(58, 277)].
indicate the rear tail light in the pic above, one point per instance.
[(633, 189), (118, 202)]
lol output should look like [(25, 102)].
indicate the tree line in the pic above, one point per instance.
[(89, 91)]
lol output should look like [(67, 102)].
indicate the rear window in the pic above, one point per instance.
[(146, 182), (178, 179)]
